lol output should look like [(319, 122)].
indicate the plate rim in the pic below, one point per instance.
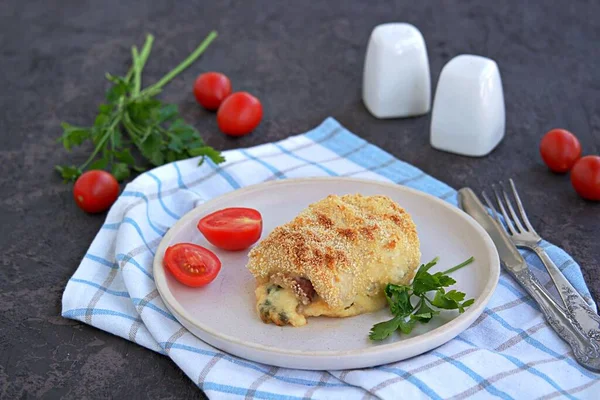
[(179, 311)]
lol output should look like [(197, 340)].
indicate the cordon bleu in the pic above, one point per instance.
[(334, 259)]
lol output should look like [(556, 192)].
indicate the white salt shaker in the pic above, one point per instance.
[(468, 116), (396, 80)]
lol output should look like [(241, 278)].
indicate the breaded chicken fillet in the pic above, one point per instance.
[(334, 259)]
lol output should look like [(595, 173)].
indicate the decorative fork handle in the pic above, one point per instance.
[(585, 348), (562, 284), (583, 315)]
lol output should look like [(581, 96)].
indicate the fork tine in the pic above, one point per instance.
[(516, 219), (520, 206), (507, 220)]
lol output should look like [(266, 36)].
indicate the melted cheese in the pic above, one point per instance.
[(278, 305), (282, 306), (362, 304)]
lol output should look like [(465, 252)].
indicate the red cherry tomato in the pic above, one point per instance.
[(211, 88), (585, 177), (95, 191), (232, 228), (560, 149), (191, 264), (239, 114)]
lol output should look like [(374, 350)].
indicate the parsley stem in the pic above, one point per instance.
[(131, 128), (146, 51), (137, 73), (427, 298), (139, 60), (112, 148), (459, 266), (186, 63), (100, 144)]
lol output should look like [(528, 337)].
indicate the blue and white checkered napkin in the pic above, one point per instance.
[(509, 352)]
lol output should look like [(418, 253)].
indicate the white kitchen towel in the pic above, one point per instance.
[(509, 352)]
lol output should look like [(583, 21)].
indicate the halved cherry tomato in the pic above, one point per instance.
[(191, 264), (95, 191), (585, 177), (239, 114), (211, 88), (232, 228), (560, 149)]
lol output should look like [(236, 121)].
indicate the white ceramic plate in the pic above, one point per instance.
[(223, 313)]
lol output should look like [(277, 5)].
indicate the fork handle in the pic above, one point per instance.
[(578, 309), (566, 291), (585, 349)]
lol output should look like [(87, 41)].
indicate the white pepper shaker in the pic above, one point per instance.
[(396, 81), (468, 116)]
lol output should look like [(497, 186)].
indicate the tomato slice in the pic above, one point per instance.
[(191, 264), (232, 228)]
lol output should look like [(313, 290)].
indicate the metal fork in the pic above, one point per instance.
[(524, 235)]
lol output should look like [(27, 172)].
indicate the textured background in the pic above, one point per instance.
[(304, 61)]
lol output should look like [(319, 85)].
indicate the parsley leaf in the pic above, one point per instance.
[(168, 112), (400, 300), (406, 326), (69, 173), (464, 305), (100, 163), (132, 117), (424, 281), (451, 300), (120, 171), (151, 148), (73, 135), (206, 151), (384, 329), (424, 313), (125, 156), (443, 279)]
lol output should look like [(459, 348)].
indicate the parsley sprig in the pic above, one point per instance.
[(400, 300), (132, 115)]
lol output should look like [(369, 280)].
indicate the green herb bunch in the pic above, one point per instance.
[(400, 300), (132, 115)]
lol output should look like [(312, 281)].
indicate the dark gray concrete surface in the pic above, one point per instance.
[(304, 61)]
